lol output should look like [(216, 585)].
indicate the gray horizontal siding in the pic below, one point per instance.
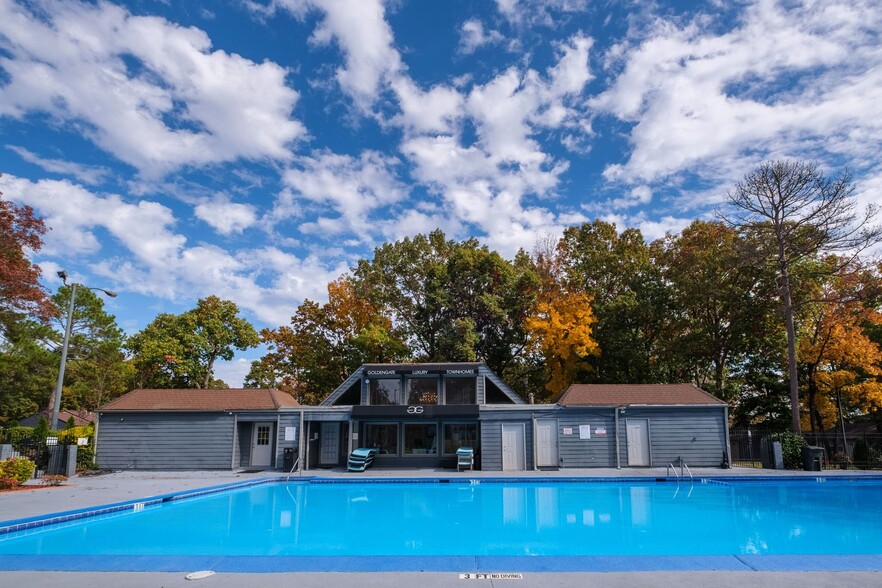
[(596, 452), (698, 435), (165, 441)]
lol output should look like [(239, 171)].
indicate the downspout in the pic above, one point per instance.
[(618, 449), (307, 446), (95, 453), (300, 451), (535, 454), (276, 441), (726, 432), (235, 440)]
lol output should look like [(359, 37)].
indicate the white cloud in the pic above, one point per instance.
[(472, 36), (537, 12), (88, 174), (364, 38), (354, 188), (434, 111), (157, 261), (121, 78), (789, 80), (226, 217)]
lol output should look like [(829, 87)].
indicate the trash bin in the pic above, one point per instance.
[(772, 454), (288, 459), (812, 458)]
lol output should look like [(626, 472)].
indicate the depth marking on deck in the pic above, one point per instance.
[(491, 576)]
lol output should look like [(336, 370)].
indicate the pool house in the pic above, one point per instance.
[(416, 416)]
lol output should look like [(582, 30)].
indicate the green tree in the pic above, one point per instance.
[(180, 351), (96, 369), (630, 300), (28, 367), (720, 304), (799, 213), (452, 301)]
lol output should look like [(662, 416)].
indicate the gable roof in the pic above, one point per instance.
[(370, 370), (201, 400), (635, 394)]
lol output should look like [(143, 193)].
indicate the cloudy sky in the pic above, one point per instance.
[(256, 149)]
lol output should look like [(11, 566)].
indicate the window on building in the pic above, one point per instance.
[(386, 392), (383, 437), (458, 435), (421, 390), (460, 391), (421, 439)]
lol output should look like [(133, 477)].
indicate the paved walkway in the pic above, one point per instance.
[(90, 491)]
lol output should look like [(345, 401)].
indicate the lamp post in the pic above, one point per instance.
[(56, 404)]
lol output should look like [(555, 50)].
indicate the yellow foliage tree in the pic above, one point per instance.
[(561, 330), (843, 365)]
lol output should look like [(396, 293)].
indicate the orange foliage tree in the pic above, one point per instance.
[(842, 363), (561, 330)]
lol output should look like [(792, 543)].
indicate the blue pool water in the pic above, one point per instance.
[(485, 518)]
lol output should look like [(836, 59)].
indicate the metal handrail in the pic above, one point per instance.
[(670, 468), (683, 465)]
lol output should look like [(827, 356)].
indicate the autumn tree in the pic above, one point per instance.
[(180, 351), (561, 329), (842, 365), (800, 212), (324, 343), (21, 233)]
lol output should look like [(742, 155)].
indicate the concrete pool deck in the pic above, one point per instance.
[(96, 490)]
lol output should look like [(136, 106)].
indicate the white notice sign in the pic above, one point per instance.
[(290, 433), (584, 431)]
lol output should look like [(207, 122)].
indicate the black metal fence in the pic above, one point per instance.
[(49, 455), (856, 451)]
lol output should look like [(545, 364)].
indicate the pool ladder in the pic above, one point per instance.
[(670, 468)]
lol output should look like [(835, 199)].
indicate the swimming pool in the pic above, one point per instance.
[(455, 524)]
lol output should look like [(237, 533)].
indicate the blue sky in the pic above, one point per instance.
[(257, 149)]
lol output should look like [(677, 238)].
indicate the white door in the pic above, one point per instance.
[(329, 448), (546, 443), (513, 455), (638, 442), (262, 445)]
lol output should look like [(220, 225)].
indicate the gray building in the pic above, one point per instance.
[(416, 416), (194, 429)]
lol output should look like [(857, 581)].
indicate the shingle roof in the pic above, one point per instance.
[(228, 399), (634, 394)]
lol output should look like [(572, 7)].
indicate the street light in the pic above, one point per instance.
[(56, 404)]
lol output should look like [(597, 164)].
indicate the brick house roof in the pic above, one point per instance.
[(635, 394), (201, 400)]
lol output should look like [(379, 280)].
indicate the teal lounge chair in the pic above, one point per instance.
[(361, 459), (465, 457)]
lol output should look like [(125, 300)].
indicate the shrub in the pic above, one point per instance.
[(53, 480), (7, 483), (791, 448), (17, 468), (41, 431), (85, 453), (70, 424), (16, 434)]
